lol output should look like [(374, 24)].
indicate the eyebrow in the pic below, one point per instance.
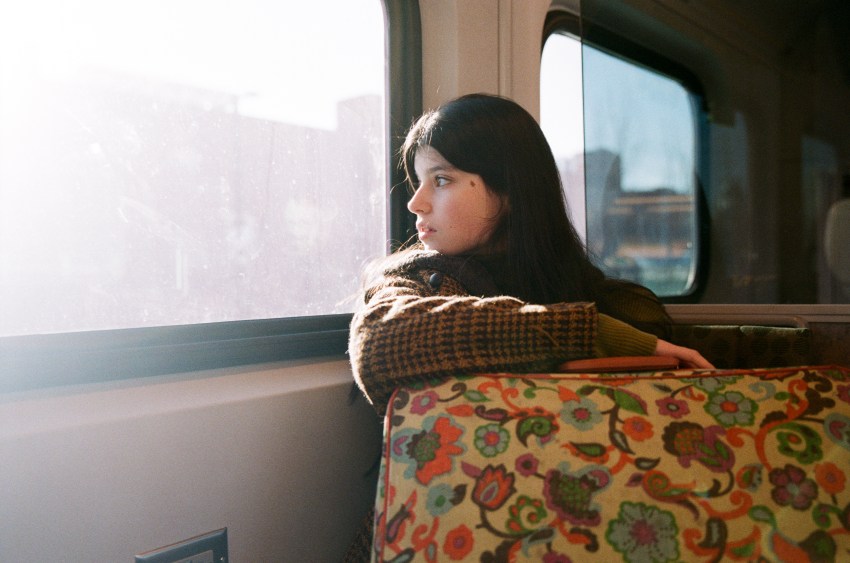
[(440, 168)]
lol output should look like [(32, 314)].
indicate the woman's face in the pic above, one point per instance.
[(455, 212)]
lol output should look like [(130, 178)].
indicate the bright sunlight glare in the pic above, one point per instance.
[(53, 39)]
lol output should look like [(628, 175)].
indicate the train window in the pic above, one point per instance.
[(625, 138), (171, 163)]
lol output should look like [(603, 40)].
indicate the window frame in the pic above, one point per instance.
[(589, 33), (48, 360)]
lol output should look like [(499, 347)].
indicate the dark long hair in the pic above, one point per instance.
[(500, 141)]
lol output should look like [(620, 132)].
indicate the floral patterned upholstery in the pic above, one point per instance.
[(674, 466)]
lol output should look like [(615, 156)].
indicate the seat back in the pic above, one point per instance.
[(734, 346), (837, 240)]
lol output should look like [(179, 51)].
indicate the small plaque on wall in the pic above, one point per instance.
[(205, 548)]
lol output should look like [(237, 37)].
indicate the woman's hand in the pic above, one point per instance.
[(687, 357)]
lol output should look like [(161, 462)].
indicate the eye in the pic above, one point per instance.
[(440, 181)]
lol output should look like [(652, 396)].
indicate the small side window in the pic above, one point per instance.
[(626, 141)]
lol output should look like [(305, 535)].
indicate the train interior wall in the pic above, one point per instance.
[(275, 453)]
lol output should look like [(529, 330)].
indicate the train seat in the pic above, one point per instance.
[(661, 466), (837, 240), (744, 346)]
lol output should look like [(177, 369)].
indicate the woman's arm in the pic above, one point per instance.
[(407, 333)]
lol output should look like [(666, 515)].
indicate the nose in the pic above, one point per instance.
[(419, 203)]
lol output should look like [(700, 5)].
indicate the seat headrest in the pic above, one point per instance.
[(837, 240)]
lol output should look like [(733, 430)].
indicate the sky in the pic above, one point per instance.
[(589, 97), (237, 48)]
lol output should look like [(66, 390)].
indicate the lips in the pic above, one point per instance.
[(424, 230)]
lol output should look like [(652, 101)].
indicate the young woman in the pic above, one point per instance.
[(499, 280)]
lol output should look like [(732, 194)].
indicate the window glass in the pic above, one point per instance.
[(179, 162), (637, 166), (562, 119)]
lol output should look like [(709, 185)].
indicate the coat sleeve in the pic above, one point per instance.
[(408, 332)]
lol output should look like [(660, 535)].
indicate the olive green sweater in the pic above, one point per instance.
[(429, 316)]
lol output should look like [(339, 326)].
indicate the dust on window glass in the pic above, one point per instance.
[(185, 162)]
